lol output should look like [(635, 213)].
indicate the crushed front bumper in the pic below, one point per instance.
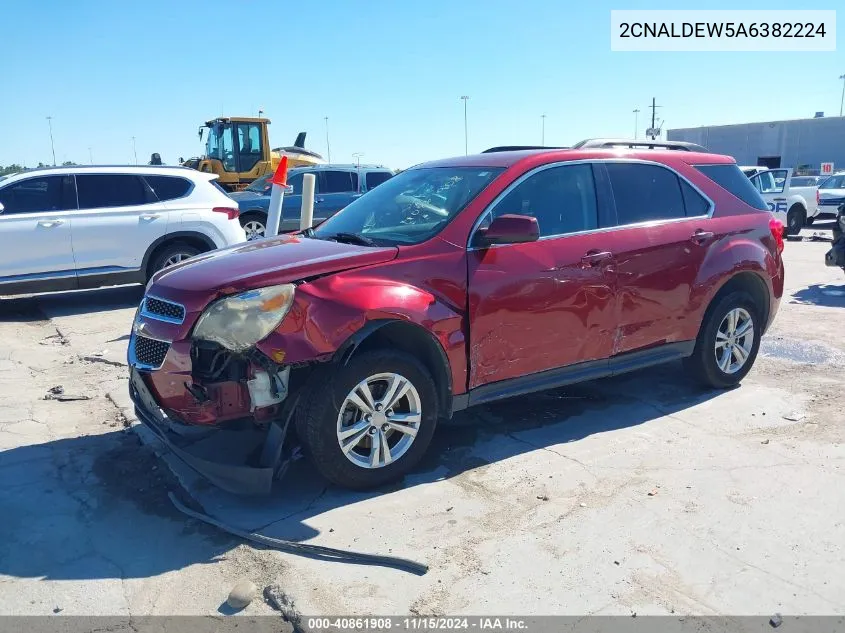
[(243, 461)]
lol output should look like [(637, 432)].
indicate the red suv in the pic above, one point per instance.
[(455, 283)]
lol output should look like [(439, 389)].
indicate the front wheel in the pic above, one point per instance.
[(370, 421), (795, 220), (728, 342), (171, 255)]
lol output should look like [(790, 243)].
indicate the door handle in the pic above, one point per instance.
[(779, 199), (591, 258), (49, 224), (699, 237), (150, 216)]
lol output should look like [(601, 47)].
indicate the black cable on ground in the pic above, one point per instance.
[(315, 551)]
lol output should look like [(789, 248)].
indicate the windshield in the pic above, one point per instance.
[(220, 145), (410, 207), (261, 185)]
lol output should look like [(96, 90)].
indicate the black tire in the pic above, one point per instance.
[(255, 218), (316, 420), (795, 219), (171, 250), (702, 364)]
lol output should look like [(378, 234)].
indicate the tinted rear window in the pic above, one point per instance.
[(375, 178), (168, 187), (110, 190), (337, 182), (645, 192), (731, 178)]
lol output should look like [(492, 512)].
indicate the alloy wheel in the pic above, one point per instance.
[(734, 340), (379, 420), (253, 229)]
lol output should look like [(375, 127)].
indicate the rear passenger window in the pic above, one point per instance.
[(337, 182), (168, 187), (731, 178), (375, 178), (645, 192), (110, 190), (563, 199), (694, 202)]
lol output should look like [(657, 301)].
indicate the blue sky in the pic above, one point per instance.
[(388, 74)]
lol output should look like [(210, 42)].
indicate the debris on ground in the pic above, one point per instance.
[(275, 596), (540, 497), (616, 562), (653, 493), (450, 508), (583, 505), (57, 609), (58, 393), (95, 358), (766, 441), (53, 339), (242, 594), (58, 389), (776, 620), (796, 416)]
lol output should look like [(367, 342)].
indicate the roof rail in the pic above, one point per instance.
[(596, 143), (514, 148)]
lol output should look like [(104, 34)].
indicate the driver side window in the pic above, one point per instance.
[(563, 199)]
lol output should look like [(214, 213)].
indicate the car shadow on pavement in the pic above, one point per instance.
[(32, 308), (827, 295), (97, 506)]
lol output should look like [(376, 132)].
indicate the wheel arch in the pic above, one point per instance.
[(748, 281), (199, 241), (408, 337)]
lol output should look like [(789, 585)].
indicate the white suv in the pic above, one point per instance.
[(64, 228)]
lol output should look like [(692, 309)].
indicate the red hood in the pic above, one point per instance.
[(260, 263)]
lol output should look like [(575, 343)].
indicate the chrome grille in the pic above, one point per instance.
[(163, 310), (150, 352)]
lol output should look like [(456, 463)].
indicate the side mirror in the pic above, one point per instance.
[(509, 229)]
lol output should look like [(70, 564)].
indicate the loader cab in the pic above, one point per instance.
[(239, 145)]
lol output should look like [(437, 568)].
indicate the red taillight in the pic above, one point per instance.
[(231, 212), (776, 227)]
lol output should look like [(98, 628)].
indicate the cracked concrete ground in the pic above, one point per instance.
[(636, 494)]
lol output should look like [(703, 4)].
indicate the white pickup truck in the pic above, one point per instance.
[(791, 205)]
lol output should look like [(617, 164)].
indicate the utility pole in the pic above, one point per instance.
[(465, 98), (654, 107), (543, 137), (636, 122), (328, 147), (842, 100), (134, 151), (52, 147)]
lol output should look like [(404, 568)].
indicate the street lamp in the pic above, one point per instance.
[(842, 100), (465, 98), (52, 147), (328, 147), (134, 151), (636, 122), (543, 136)]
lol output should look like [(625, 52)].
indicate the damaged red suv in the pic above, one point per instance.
[(457, 282)]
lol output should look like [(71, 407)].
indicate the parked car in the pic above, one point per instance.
[(336, 187), (831, 194), (806, 181), (64, 228), (792, 205), (456, 283)]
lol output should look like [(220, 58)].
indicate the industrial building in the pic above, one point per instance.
[(803, 144)]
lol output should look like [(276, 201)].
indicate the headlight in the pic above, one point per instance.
[(240, 321)]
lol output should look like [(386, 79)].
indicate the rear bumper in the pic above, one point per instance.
[(243, 461)]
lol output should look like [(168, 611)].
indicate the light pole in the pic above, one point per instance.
[(134, 151), (357, 156), (636, 122), (842, 100), (465, 98), (543, 134), (90, 156), (52, 147), (328, 147)]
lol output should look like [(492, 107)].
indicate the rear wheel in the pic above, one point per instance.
[(795, 219), (171, 255), (728, 342), (255, 225), (369, 422)]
